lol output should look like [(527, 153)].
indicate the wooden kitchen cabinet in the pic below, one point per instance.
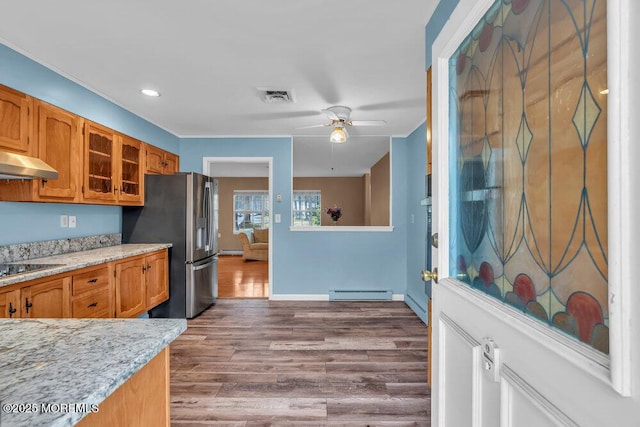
[(161, 162), (130, 287), (99, 164), (59, 144), (92, 292), (130, 171), (156, 278), (113, 172), (15, 121), (124, 288), (95, 164), (171, 163), (141, 283), (41, 298), (10, 304), (143, 400), (46, 299)]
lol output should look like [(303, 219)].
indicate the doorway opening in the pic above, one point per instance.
[(245, 204)]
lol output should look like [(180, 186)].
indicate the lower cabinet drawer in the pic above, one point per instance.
[(94, 304), (90, 280)]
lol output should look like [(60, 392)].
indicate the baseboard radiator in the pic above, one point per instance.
[(360, 295)]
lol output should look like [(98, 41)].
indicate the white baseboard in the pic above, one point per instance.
[(316, 297)]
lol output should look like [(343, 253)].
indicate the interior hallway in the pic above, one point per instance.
[(242, 279)]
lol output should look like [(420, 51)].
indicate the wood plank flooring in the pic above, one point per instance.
[(242, 279), (250, 362)]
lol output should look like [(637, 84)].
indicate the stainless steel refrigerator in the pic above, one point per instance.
[(181, 209)]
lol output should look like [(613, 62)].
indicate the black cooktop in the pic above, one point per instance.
[(13, 269)]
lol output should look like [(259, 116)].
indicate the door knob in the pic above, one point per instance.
[(430, 275), (434, 240)]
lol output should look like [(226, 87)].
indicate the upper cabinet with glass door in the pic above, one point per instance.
[(130, 171), (113, 172), (99, 164)]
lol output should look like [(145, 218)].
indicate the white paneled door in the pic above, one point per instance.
[(536, 313)]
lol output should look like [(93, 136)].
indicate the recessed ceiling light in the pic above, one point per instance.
[(150, 92)]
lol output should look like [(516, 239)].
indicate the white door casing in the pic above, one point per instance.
[(544, 377)]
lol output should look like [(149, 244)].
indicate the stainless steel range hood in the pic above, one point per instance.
[(18, 166)]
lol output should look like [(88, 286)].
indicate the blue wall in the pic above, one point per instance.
[(31, 222), (416, 296), (28, 222), (434, 26), (313, 263)]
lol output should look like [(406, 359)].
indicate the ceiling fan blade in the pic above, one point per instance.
[(367, 122), (321, 78), (314, 126), (401, 103), (331, 114)]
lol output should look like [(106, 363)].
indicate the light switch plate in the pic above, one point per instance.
[(72, 221), (64, 221), (278, 218)]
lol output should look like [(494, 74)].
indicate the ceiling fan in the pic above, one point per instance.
[(340, 120)]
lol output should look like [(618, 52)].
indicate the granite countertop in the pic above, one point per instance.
[(72, 361), (77, 260)]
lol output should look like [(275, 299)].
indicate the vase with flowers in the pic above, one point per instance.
[(335, 213)]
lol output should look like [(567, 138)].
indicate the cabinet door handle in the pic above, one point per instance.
[(92, 280), (148, 266), (27, 304), (44, 181), (144, 268), (95, 304), (12, 310)]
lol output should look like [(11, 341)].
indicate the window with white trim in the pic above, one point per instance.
[(250, 209), (306, 207)]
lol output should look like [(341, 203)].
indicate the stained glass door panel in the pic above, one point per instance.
[(528, 152)]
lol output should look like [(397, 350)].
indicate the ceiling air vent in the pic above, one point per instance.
[(277, 96)]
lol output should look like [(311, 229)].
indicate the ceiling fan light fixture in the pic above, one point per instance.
[(338, 135)]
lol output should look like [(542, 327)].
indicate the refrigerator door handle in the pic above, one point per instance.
[(201, 267), (210, 220), (206, 214)]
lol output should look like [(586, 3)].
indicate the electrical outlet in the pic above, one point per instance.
[(72, 221), (278, 197), (278, 218), (64, 221)]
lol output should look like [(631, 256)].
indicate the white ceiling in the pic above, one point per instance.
[(353, 158), (207, 57)]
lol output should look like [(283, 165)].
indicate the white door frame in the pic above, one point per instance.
[(206, 170), (624, 248)]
